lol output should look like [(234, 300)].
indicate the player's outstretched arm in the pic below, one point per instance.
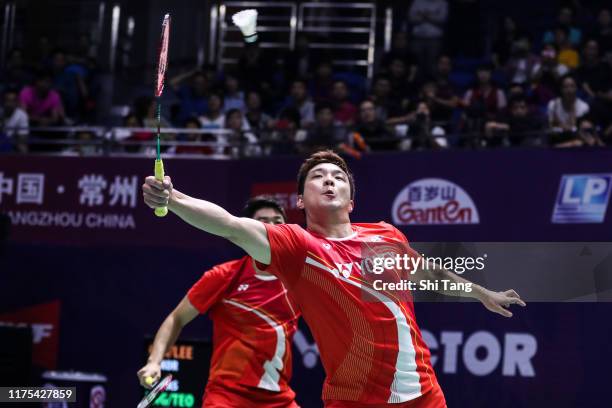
[(247, 233), (497, 302), (164, 339)]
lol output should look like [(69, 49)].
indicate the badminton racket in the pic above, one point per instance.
[(162, 64), (161, 386)]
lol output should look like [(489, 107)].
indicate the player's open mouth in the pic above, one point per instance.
[(329, 194)]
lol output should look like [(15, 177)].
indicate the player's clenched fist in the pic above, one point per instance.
[(157, 194)]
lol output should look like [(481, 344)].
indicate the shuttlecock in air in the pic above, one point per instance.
[(246, 21)]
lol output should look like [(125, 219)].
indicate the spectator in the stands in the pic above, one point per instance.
[(299, 99), (400, 49), (194, 123), (256, 68), (522, 63), (192, 97), (14, 122), (516, 127), (440, 106), (287, 135), (42, 103), (257, 119), (386, 105), (15, 74), (132, 120), (344, 110), (325, 133), (300, 62), (484, 101), (601, 85), (86, 145), (607, 136), (145, 108), (547, 76), (373, 129), (586, 135), (505, 40), (592, 74), (603, 30), (233, 96), (402, 79), (321, 84), (441, 77), (565, 111), (428, 19), (565, 19), (214, 118), (242, 141), (423, 133), (68, 82), (567, 54)]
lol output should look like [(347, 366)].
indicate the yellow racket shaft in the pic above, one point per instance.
[(159, 175)]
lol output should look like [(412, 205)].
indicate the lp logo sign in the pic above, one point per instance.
[(582, 198)]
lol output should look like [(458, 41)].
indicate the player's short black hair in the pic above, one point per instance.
[(256, 203), (324, 156)]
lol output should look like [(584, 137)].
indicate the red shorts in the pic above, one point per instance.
[(247, 397), (433, 398)]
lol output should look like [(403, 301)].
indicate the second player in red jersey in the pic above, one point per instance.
[(254, 321)]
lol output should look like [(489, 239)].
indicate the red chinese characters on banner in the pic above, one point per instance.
[(286, 194), (44, 321)]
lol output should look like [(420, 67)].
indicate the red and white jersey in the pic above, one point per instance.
[(253, 324), (372, 350)]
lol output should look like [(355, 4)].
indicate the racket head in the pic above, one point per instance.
[(161, 386), (162, 61)]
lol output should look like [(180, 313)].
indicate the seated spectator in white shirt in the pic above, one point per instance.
[(242, 141), (14, 121), (234, 97), (563, 112), (299, 99), (214, 117)]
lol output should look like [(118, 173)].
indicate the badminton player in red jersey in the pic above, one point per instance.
[(372, 351), (253, 324)]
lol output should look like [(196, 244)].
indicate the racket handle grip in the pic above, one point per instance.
[(159, 175)]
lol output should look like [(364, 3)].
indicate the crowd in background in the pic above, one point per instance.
[(549, 89)]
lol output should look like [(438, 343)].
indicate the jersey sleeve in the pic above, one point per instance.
[(411, 252), (287, 252), (212, 285)]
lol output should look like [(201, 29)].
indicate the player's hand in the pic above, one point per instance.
[(152, 370), (499, 302), (157, 194)]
